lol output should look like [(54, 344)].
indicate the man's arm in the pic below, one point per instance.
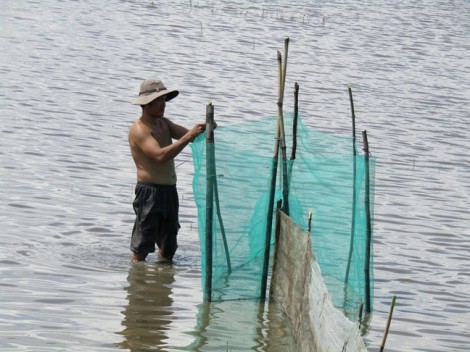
[(176, 131), (143, 139)]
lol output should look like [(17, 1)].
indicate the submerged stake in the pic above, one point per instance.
[(389, 320)]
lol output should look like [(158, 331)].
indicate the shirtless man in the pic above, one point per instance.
[(153, 150)]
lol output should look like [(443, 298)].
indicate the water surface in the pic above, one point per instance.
[(69, 71)]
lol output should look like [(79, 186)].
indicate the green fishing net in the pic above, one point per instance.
[(325, 177)]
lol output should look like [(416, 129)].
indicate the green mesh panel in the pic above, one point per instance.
[(321, 178)]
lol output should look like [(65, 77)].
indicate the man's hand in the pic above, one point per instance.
[(197, 130)]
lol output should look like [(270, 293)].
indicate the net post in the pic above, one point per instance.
[(285, 182), (368, 223), (277, 234), (294, 133), (295, 123), (267, 242), (353, 117), (359, 315), (280, 137), (353, 215), (210, 174), (309, 220)]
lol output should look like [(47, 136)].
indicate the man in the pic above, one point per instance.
[(153, 150)]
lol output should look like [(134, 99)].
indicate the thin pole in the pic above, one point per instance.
[(210, 175), (368, 223), (280, 137), (272, 191), (353, 115), (277, 235), (296, 118), (285, 183), (222, 227), (387, 327), (216, 194), (269, 224), (294, 132), (353, 215), (279, 103), (310, 214), (359, 316)]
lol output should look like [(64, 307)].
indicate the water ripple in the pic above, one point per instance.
[(68, 178)]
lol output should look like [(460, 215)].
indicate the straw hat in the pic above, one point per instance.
[(151, 89)]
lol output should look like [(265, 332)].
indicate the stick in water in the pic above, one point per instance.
[(389, 320)]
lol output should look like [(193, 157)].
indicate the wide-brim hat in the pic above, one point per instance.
[(151, 89)]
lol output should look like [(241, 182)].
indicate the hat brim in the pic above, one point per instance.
[(146, 99)]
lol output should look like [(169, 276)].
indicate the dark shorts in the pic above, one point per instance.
[(156, 209)]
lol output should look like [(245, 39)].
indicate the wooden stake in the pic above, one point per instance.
[(217, 204), (353, 215), (353, 116), (387, 327), (280, 137), (294, 133), (368, 223), (210, 174), (277, 235), (359, 316), (310, 214), (296, 118), (285, 181)]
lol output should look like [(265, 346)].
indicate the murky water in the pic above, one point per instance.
[(69, 71)]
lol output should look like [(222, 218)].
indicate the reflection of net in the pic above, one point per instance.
[(321, 178)]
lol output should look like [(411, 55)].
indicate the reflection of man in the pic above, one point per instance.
[(153, 150), (148, 313)]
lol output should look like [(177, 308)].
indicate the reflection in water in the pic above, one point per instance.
[(152, 310), (148, 313), (241, 325)]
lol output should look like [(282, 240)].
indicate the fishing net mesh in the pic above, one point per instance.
[(325, 177)]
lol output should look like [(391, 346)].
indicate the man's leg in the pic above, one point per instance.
[(138, 257), (145, 225), (164, 256)]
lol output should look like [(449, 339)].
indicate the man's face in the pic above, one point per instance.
[(157, 106)]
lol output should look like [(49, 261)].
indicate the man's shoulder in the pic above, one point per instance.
[(139, 126), (166, 120), (139, 130)]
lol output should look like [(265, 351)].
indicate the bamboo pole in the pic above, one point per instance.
[(353, 116), (212, 192), (277, 235), (294, 133), (284, 68), (210, 175), (387, 327), (280, 121), (280, 137), (359, 316), (217, 201), (310, 215), (353, 215), (368, 223), (221, 223), (296, 118), (267, 243), (285, 183), (272, 191)]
